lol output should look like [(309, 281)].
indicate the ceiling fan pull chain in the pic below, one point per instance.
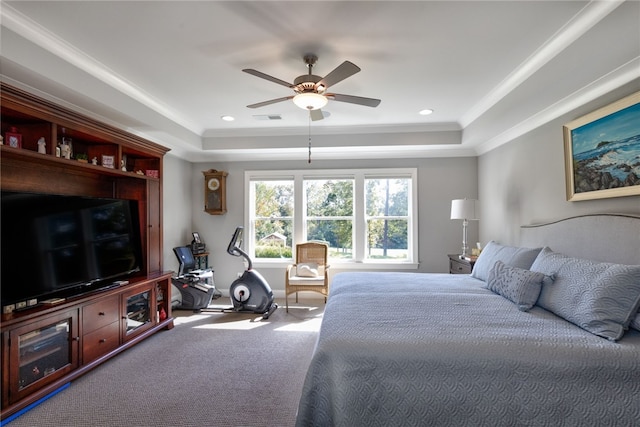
[(309, 161)]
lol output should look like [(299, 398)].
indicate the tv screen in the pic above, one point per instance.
[(59, 245)]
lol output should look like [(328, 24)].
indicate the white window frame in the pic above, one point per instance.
[(359, 239)]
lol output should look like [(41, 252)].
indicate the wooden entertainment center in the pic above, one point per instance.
[(45, 346)]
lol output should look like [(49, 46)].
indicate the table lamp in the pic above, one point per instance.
[(466, 210)]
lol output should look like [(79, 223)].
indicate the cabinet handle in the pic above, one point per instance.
[(103, 340), (76, 338), (101, 313)]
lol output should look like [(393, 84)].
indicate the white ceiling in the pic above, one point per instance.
[(168, 70)]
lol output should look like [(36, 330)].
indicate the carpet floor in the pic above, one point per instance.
[(212, 369)]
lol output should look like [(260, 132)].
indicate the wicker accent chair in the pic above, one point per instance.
[(309, 273)]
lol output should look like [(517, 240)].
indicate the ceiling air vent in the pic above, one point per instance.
[(267, 117)]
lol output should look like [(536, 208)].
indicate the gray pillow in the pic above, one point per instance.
[(510, 255), (635, 323), (601, 298), (516, 284)]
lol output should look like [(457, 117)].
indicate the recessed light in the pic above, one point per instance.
[(228, 118), (426, 112)]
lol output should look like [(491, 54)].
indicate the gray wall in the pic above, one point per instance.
[(177, 199), (439, 181), (523, 182)]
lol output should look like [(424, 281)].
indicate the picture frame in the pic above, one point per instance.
[(108, 161), (196, 237), (599, 151)]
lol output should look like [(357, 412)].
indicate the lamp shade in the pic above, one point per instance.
[(310, 101), (468, 209)]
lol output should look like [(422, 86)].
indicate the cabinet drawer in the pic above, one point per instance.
[(456, 267), (99, 314), (100, 342)]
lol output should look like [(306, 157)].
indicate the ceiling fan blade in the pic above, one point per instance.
[(267, 77), (316, 115), (369, 102), (341, 72), (271, 101)]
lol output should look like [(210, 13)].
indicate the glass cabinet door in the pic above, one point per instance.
[(42, 352), (139, 315)]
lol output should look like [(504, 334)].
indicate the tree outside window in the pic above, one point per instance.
[(329, 214), (273, 218), (387, 218)]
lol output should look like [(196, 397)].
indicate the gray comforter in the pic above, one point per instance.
[(409, 349)]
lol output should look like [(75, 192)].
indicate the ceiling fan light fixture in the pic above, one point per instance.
[(310, 101)]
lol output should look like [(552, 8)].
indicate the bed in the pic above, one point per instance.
[(406, 349)]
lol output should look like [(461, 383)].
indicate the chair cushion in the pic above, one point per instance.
[(309, 269)]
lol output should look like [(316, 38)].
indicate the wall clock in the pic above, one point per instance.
[(215, 192)]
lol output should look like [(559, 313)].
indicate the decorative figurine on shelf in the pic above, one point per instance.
[(94, 161), (123, 167), (65, 150), (66, 140), (42, 146), (58, 150)]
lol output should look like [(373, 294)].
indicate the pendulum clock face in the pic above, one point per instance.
[(215, 192)]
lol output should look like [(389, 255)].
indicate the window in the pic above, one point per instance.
[(387, 218), (272, 218), (365, 216), (329, 214)]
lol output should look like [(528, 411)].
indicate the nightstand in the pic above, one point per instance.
[(460, 266)]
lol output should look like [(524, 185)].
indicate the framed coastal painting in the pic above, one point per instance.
[(602, 152)]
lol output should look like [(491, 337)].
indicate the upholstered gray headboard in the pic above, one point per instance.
[(600, 237)]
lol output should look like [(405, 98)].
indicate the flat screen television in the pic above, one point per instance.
[(60, 246)]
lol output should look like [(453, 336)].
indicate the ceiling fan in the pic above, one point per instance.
[(311, 90)]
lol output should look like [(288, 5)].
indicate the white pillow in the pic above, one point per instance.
[(307, 269)]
